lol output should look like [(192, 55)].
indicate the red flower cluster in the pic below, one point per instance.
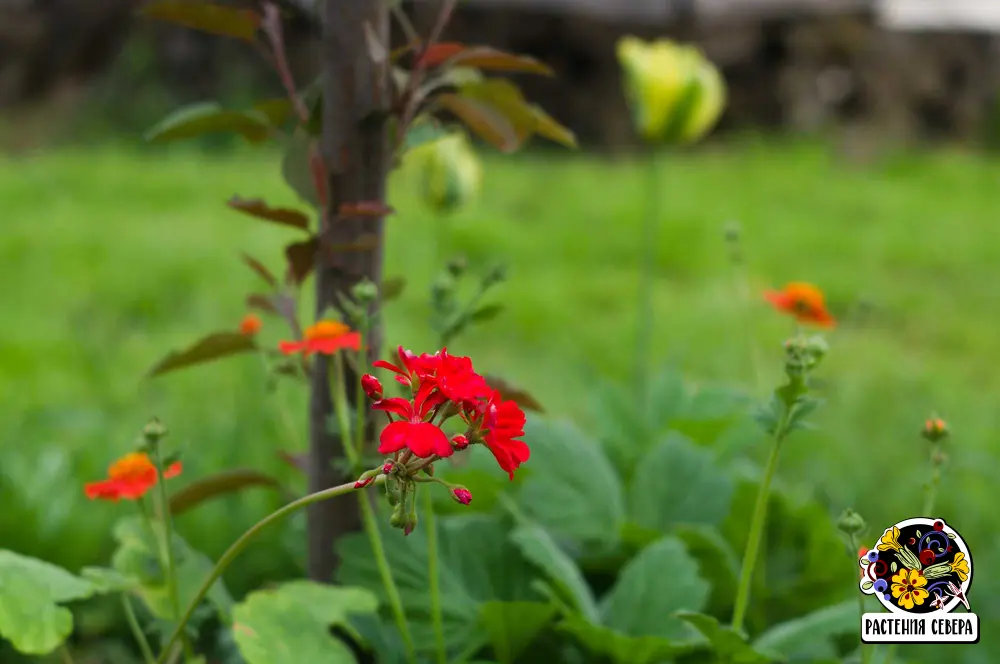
[(129, 478), (444, 385)]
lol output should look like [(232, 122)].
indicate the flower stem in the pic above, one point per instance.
[(647, 237), (368, 520), (64, 654), (757, 526), (385, 572), (168, 536), (435, 580), (140, 636), (866, 654), (237, 547)]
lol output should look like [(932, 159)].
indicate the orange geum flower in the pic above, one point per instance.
[(326, 336), (803, 301), (129, 478), (250, 325)]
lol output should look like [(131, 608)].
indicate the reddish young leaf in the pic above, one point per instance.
[(491, 59), (300, 257), (392, 287), (219, 484), (317, 170), (260, 209), (212, 347), (486, 121), (207, 17), (209, 117), (439, 53), (261, 270), (372, 209), (262, 303), (511, 393), (524, 117)]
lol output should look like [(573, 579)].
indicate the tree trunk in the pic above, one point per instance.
[(354, 146)]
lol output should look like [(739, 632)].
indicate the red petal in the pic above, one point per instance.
[(397, 405), (779, 299), (426, 439), (106, 490), (173, 471), (290, 347), (393, 437), (382, 364), (330, 345)]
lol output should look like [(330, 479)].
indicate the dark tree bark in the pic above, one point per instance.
[(355, 149)]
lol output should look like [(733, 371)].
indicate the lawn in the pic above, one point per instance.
[(112, 258)]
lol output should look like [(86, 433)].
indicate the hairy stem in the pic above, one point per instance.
[(168, 536), (237, 547), (866, 653), (140, 636), (435, 581)]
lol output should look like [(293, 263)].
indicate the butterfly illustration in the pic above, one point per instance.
[(955, 591)]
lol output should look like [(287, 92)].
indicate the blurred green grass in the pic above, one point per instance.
[(111, 258)]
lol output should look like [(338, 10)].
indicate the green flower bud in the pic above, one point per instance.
[(851, 523), (364, 292), (675, 94), (154, 431), (450, 173)]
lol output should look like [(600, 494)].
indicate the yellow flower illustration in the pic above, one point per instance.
[(674, 92), (908, 588), (960, 566), (890, 540)]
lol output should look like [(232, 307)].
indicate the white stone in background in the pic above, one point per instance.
[(976, 15)]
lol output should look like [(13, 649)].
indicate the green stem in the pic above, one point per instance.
[(237, 547), (757, 526), (361, 403), (435, 581), (855, 547), (140, 636), (168, 535), (64, 654), (368, 519), (647, 249)]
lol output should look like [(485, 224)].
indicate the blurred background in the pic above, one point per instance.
[(857, 152)]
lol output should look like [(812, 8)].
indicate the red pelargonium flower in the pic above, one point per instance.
[(803, 301), (250, 325), (413, 432), (502, 425), (412, 368), (326, 337), (453, 375), (129, 478)]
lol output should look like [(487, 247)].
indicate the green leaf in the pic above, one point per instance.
[(477, 564), (621, 648), (423, 131), (31, 592), (511, 392), (541, 550), (209, 117), (718, 564), (106, 580), (485, 120), (212, 347), (513, 626), (481, 57), (476, 470), (727, 644), (486, 313), (573, 491), (277, 111), (292, 622), (207, 17), (392, 287), (679, 482), (662, 580), (137, 558), (261, 210), (525, 118), (296, 168), (809, 636), (219, 484)]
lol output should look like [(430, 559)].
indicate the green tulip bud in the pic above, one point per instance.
[(450, 173)]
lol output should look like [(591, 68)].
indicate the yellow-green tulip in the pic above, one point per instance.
[(449, 171), (675, 93)]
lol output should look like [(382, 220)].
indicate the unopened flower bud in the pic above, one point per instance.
[(459, 442), (462, 495), (398, 519), (154, 431), (364, 292), (371, 386), (387, 468), (411, 522), (457, 266), (367, 478), (935, 429), (851, 523)]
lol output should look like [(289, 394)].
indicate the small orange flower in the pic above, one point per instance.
[(326, 336), (935, 429), (250, 325), (129, 478), (804, 301)]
